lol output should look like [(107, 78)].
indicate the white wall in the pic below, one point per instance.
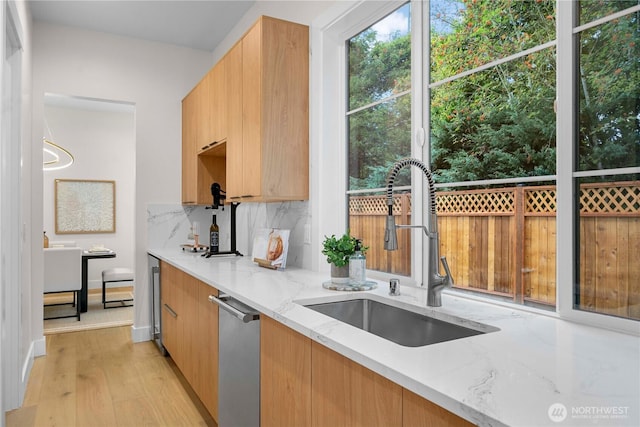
[(153, 76), (103, 145), (17, 343)]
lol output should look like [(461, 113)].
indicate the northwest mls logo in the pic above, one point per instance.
[(557, 412)]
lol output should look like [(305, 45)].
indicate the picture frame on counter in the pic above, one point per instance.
[(270, 248)]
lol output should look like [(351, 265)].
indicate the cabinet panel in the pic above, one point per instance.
[(203, 111), (171, 301), (285, 110), (218, 99), (251, 112), (206, 348), (285, 376), (189, 157), (189, 338), (346, 393), (234, 122), (420, 412)]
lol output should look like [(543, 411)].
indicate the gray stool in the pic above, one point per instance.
[(113, 275)]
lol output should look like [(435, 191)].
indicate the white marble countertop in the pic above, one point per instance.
[(515, 376)]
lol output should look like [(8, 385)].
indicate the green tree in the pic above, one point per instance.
[(496, 123), (609, 121), (378, 135)]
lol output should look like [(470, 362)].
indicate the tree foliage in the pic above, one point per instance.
[(497, 122), (609, 121), (379, 135)]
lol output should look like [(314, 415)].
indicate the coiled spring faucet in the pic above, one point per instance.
[(434, 280)]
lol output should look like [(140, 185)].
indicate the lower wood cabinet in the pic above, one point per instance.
[(417, 411), (190, 331), (348, 394), (285, 376), (303, 383)]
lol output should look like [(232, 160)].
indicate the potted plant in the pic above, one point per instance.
[(338, 250)]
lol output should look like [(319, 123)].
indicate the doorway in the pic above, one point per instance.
[(100, 135)]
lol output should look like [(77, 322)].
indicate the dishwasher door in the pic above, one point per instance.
[(239, 363)]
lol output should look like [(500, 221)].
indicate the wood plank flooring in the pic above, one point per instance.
[(100, 378)]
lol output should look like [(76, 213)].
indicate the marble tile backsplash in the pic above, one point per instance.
[(169, 226)]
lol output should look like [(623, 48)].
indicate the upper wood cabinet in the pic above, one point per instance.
[(189, 156), (218, 98), (246, 124), (200, 168), (274, 160)]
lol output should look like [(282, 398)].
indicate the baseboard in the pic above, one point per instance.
[(37, 348), (40, 347), (141, 334)]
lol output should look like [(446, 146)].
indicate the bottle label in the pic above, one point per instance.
[(215, 244)]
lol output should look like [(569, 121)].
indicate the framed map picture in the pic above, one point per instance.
[(85, 206)]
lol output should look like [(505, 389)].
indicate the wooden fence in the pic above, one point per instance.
[(503, 241)]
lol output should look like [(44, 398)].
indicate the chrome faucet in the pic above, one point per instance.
[(435, 281)]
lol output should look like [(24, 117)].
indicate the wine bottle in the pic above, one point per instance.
[(214, 237)]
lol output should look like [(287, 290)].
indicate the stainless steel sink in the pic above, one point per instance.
[(396, 324)]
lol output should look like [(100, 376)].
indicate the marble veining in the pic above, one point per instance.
[(169, 225), (514, 376)]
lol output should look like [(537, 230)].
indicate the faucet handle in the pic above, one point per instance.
[(449, 277)]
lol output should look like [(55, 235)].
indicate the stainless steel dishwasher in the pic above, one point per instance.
[(239, 363)]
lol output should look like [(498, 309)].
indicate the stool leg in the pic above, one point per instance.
[(104, 298)]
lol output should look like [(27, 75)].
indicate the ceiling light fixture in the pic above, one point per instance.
[(52, 155)]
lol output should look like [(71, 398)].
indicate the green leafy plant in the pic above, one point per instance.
[(338, 250)]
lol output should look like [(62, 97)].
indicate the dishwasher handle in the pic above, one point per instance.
[(245, 317)]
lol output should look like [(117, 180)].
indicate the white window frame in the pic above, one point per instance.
[(328, 138), (565, 155)]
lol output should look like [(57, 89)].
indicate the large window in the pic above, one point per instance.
[(491, 87), (502, 135), (379, 133), (607, 147)]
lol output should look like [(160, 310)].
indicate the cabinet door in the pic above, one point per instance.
[(189, 158), (218, 97), (203, 114), (169, 303), (284, 126), (234, 136), (187, 323), (419, 412), (252, 112), (285, 376), (207, 349), (346, 393)]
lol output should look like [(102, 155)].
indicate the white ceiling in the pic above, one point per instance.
[(199, 24)]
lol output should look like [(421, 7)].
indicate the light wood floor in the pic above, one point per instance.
[(100, 378)]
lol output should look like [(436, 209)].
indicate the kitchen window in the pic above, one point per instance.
[(378, 120), (605, 174), (532, 138)]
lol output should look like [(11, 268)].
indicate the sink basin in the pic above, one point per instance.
[(396, 324)]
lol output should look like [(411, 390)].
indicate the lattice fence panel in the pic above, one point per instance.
[(376, 205), (490, 201), (613, 198), (540, 200), (621, 199)]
